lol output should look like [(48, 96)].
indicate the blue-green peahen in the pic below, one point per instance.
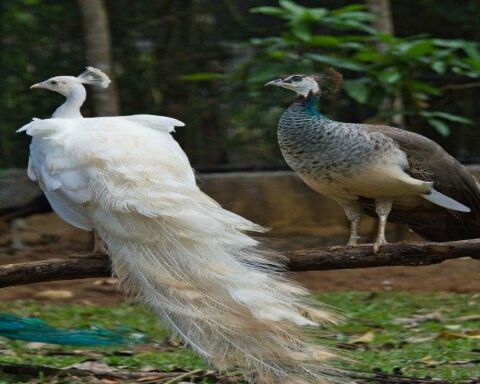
[(390, 170)]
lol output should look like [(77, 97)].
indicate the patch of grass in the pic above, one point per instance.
[(423, 334)]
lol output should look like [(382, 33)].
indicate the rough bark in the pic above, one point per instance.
[(96, 33), (406, 254)]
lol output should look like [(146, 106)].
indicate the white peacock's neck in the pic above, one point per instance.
[(71, 107)]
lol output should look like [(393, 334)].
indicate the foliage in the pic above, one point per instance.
[(379, 67), (230, 117), (422, 334)]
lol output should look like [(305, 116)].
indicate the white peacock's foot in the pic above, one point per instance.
[(99, 248)]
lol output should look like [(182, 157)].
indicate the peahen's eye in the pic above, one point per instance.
[(296, 78)]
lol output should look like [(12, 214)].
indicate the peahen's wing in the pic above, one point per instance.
[(430, 162)]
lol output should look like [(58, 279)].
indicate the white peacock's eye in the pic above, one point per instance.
[(53, 82), (296, 79)]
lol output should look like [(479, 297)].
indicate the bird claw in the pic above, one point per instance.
[(377, 245), (335, 248)]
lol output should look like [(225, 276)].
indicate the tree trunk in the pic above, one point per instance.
[(384, 23), (96, 34), (383, 15)]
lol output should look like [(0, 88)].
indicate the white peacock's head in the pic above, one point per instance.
[(303, 85), (61, 84)]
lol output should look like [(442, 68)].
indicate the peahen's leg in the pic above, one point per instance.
[(354, 213), (383, 206)]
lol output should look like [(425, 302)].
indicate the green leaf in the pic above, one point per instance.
[(202, 76), (358, 90), (420, 86), (349, 8), (277, 54), (439, 66), (291, 6), (389, 76), (369, 56), (325, 40), (450, 43), (416, 48), (452, 117), (301, 32), (271, 11), (440, 126), (336, 62), (318, 13)]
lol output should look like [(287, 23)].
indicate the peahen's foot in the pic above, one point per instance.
[(349, 245)]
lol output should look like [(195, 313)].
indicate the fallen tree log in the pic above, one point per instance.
[(399, 254)]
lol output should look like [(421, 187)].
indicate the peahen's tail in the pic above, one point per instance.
[(212, 285)]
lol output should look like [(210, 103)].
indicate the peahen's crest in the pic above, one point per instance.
[(330, 81)]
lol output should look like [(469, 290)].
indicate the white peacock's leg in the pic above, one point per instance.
[(383, 206), (98, 245), (354, 213)]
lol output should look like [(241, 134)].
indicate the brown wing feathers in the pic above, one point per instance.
[(429, 162)]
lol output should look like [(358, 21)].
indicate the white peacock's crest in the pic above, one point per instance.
[(94, 76)]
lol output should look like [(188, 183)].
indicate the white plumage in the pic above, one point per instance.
[(176, 249)]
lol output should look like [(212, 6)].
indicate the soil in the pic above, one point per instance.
[(45, 236)]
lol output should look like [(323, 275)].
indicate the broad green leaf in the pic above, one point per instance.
[(336, 61), (369, 56), (291, 6), (271, 11), (390, 76), (420, 86), (349, 8), (452, 117), (325, 40), (450, 43), (277, 54), (439, 66), (318, 13), (202, 76), (417, 48), (358, 90), (359, 16), (301, 32), (440, 126)]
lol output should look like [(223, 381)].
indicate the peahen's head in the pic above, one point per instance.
[(66, 85), (328, 82), (303, 85)]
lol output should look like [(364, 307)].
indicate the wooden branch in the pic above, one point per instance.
[(406, 254), (398, 254), (53, 270)]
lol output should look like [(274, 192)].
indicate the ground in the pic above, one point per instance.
[(419, 320)]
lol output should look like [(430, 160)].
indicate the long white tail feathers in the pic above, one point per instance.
[(225, 297), (444, 201)]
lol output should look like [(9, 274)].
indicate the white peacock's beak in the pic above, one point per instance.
[(38, 85)]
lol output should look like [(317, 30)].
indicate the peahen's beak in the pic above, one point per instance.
[(276, 82), (38, 85)]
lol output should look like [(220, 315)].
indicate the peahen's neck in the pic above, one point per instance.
[(310, 105), (74, 101)]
